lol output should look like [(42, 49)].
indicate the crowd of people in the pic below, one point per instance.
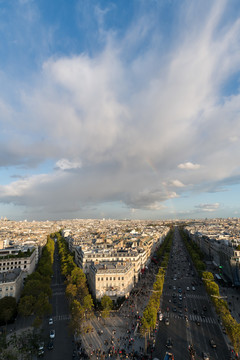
[(120, 336)]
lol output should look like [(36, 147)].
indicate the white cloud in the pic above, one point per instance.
[(208, 207), (65, 164), (131, 119), (188, 166), (177, 183)]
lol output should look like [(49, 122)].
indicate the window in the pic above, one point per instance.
[(123, 278), (102, 279), (6, 288), (110, 278), (119, 278), (106, 278), (114, 278), (25, 266), (11, 288), (98, 279)]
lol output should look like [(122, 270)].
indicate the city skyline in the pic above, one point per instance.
[(119, 109)]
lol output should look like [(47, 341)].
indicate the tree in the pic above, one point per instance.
[(71, 291), (106, 304), (42, 306), (88, 304), (8, 309), (26, 305), (77, 312)]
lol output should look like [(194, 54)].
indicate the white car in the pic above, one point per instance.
[(188, 288), (193, 288), (52, 334), (50, 321)]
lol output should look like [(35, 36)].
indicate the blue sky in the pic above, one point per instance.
[(119, 109)]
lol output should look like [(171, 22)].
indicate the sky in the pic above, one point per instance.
[(119, 109)]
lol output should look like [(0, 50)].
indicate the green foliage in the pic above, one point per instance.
[(37, 289), (81, 303), (26, 305), (150, 313), (8, 309), (106, 303)]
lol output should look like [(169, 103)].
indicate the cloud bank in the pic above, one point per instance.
[(139, 122)]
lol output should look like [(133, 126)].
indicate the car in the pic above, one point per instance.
[(205, 356), (174, 309), (167, 321), (193, 288), (212, 343), (50, 321), (50, 345), (169, 343), (188, 288), (52, 334), (41, 349), (197, 323)]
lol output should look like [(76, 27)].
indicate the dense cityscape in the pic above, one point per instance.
[(122, 262), (120, 180)]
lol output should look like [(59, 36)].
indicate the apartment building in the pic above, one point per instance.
[(11, 283), (222, 252), (84, 257), (114, 279), (15, 258)]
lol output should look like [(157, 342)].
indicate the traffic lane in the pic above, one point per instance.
[(62, 343), (213, 331)]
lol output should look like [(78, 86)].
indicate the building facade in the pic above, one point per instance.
[(12, 258), (114, 279), (11, 283)]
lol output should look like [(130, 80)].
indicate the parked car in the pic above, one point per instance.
[(169, 343), (50, 345), (50, 321), (52, 334), (205, 356), (41, 349), (212, 343)]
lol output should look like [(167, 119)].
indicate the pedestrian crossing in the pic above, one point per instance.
[(58, 293), (61, 317), (187, 295), (191, 317)]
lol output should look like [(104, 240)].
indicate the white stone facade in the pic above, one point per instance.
[(113, 279)]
